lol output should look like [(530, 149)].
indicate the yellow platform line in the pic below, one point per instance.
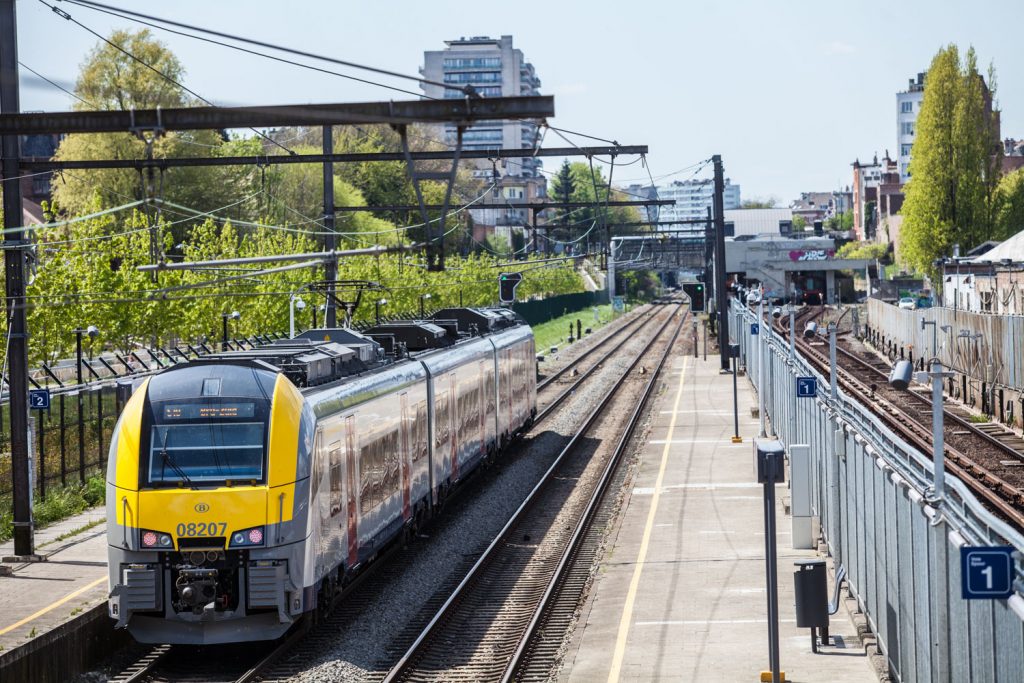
[(627, 609), (53, 605)]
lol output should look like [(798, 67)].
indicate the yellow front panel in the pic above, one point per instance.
[(128, 438), (285, 413), (236, 508)]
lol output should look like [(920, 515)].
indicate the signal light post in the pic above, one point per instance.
[(507, 283)]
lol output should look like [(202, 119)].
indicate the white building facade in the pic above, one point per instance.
[(908, 106), (693, 199), (495, 69)]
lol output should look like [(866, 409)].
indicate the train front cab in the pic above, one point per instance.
[(207, 502)]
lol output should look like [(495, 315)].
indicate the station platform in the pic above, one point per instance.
[(37, 597), (680, 594)]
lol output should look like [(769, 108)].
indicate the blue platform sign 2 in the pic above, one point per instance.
[(986, 572), (755, 328), (39, 399), (806, 387)]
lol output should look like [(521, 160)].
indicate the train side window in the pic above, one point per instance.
[(336, 464), (366, 477), (391, 464), (441, 418), (419, 432)]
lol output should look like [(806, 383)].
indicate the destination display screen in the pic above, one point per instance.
[(203, 411)]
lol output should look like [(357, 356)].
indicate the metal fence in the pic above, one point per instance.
[(870, 491), (69, 440), (986, 351)]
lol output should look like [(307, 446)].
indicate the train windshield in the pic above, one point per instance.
[(205, 452)]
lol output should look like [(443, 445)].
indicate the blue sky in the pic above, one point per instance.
[(789, 93)]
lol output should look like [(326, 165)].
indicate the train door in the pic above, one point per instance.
[(404, 451), (456, 431), (353, 483)]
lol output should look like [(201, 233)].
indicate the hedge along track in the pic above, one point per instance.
[(481, 631)]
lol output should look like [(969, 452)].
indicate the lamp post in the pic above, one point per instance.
[(93, 332), (294, 302), (423, 297), (377, 304), (760, 363), (734, 353), (233, 315)]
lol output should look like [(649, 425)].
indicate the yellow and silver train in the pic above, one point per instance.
[(246, 488)]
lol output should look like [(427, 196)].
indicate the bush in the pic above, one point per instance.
[(60, 503), (872, 251), (95, 491)]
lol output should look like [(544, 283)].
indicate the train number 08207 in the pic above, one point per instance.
[(202, 529)]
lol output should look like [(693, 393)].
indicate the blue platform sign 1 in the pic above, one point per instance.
[(986, 572), (39, 399), (755, 328), (806, 387)]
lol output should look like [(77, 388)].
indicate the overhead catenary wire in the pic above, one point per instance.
[(64, 15), (55, 85), (109, 9)]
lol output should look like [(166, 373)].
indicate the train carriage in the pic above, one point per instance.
[(244, 488)]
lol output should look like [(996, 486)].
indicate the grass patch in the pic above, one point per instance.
[(60, 503), (978, 419), (556, 331), (74, 532)]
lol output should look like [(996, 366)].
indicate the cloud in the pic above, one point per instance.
[(837, 47)]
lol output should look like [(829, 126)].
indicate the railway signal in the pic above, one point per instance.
[(695, 290), (507, 283)]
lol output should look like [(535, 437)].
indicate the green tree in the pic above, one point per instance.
[(760, 203), (843, 221), (563, 188), (111, 80), (588, 186), (1010, 219), (951, 196), (799, 223)]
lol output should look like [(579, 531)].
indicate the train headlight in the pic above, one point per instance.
[(247, 537), (156, 539)]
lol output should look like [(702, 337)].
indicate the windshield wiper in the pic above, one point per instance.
[(169, 461)]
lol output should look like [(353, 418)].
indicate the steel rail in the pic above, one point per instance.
[(546, 411), (988, 485), (960, 422), (565, 562), (404, 665)]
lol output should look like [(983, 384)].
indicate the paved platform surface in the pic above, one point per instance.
[(39, 596), (680, 594)]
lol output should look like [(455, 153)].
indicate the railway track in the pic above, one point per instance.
[(237, 663), (290, 656), (549, 406), (558, 374), (492, 627), (991, 466)]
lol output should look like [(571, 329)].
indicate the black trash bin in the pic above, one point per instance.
[(810, 591)]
